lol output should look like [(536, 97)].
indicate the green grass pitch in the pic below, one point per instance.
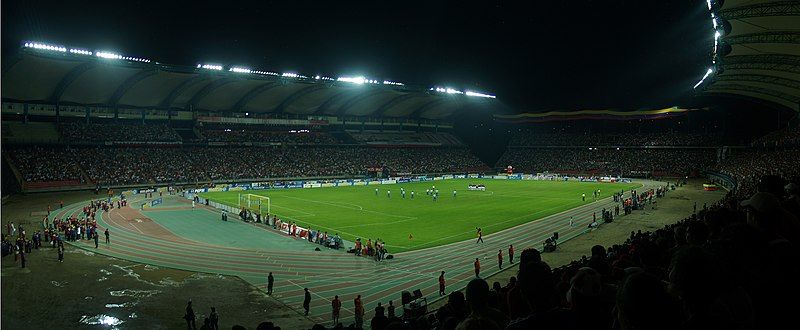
[(357, 211)]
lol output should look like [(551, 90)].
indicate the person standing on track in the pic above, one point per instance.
[(477, 265), (441, 284), (500, 259), (189, 317), (480, 235), (192, 205), (511, 253), (60, 251), (359, 312), (95, 236), (336, 306), (108, 241), (270, 282), (571, 221), (306, 301)]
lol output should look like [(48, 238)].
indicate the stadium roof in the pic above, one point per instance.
[(764, 58), (53, 74)]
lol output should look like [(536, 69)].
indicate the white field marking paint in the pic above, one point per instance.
[(307, 214), (321, 297), (362, 209), (492, 225), (641, 186), (137, 228)]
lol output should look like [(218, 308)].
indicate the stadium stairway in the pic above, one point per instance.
[(14, 169)]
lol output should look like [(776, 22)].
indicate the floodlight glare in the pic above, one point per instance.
[(240, 70), (210, 66), (80, 51), (36, 45), (387, 82), (476, 94), (710, 70), (109, 55), (355, 80)]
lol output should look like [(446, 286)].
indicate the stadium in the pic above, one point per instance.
[(445, 173)]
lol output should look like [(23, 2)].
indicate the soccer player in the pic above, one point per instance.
[(376, 191), (192, 205), (388, 194), (583, 197), (403, 193), (427, 192), (412, 194), (454, 193), (571, 221)]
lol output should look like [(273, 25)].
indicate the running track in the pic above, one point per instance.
[(328, 273)]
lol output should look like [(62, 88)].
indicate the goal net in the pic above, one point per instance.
[(255, 203)]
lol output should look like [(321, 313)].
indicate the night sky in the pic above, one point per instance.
[(534, 55)]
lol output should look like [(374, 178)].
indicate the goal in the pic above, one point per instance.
[(255, 203)]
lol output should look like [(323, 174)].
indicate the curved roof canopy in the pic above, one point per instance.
[(764, 57), (60, 77)]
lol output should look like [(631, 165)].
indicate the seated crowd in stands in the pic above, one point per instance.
[(97, 132), (747, 166), (257, 134), (528, 138), (787, 137), (609, 161), (406, 137), (116, 166), (38, 164)]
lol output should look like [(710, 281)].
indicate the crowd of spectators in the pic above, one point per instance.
[(101, 132), (38, 164), (730, 265), (253, 134), (787, 137), (528, 138), (609, 161), (394, 137), (118, 166), (747, 166)]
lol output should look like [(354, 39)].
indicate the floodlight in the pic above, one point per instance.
[(240, 70), (355, 80), (710, 70), (469, 93), (210, 66), (36, 45), (109, 55)]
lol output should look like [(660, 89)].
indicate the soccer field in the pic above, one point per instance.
[(356, 211)]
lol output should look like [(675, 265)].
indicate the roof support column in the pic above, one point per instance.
[(25, 113), (58, 112), (87, 113), (143, 114)]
